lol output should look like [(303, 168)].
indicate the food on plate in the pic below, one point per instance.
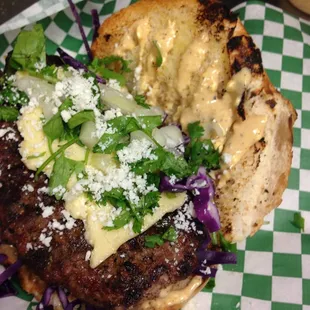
[(127, 180)]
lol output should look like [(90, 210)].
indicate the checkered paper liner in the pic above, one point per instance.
[(273, 270)]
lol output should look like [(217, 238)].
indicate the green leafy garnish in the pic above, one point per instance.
[(123, 126), (165, 162), (80, 118), (100, 67), (11, 95), (36, 156), (170, 234), (62, 171), (195, 131), (153, 240), (48, 73), (141, 100), (29, 49), (120, 221), (54, 128), (159, 58), (8, 114), (108, 60), (54, 156), (200, 152), (299, 221)]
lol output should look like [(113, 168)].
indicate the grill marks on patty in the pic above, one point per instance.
[(133, 274)]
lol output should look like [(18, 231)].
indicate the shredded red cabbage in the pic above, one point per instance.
[(79, 23), (96, 23), (62, 297), (209, 258), (11, 270), (72, 62), (3, 258), (46, 298)]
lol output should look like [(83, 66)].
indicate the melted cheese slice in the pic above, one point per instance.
[(105, 243)]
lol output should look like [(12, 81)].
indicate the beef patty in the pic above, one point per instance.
[(134, 273)]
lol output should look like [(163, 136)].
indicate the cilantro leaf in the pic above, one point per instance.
[(299, 221), (120, 221), (80, 118), (175, 165), (114, 58), (159, 58), (36, 156), (148, 123), (54, 128), (29, 49), (108, 142), (62, 171), (153, 240), (165, 162), (195, 131), (11, 95), (141, 100), (48, 73), (8, 114), (200, 152), (170, 234), (100, 67), (113, 196)]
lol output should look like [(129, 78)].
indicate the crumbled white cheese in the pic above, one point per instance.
[(87, 255), (47, 211), (136, 150)]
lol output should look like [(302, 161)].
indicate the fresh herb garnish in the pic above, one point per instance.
[(54, 156), (141, 100), (80, 118), (11, 95), (8, 114), (299, 221), (100, 67), (170, 234), (62, 171), (200, 152), (54, 128), (153, 240), (36, 156), (159, 58), (29, 49), (123, 126), (165, 162)]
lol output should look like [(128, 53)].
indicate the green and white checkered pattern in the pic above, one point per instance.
[(273, 270)]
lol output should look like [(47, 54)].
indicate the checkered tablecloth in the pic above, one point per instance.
[(273, 270)]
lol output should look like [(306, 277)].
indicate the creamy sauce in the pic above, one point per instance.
[(105, 243), (217, 114), (171, 297), (243, 136)]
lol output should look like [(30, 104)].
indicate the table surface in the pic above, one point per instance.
[(10, 8)]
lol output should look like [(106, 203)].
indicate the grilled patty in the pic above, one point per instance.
[(133, 274)]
